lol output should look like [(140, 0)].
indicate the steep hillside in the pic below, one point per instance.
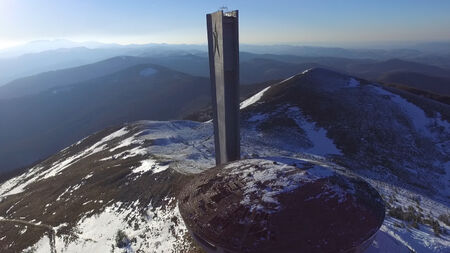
[(373, 127), (117, 189)]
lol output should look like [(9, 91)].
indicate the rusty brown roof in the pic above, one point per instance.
[(258, 205)]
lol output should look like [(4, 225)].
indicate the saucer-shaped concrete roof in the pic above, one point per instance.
[(280, 205)]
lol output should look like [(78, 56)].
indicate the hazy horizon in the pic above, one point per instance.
[(345, 45), (311, 23)]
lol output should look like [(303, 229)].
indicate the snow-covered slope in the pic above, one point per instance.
[(117, 189)]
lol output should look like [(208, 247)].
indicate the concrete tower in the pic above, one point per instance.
[(223, 46)]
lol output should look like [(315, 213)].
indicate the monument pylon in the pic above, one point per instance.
[(223, 47)]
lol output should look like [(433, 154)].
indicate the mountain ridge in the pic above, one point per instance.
[(141, 166)]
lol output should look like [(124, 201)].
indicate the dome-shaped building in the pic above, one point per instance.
[(281, 205)]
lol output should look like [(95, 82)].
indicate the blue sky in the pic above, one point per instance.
[(311, 22)]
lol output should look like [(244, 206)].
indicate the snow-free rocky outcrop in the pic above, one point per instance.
[(117, 190)]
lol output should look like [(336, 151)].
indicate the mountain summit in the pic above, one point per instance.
[(117, 189)]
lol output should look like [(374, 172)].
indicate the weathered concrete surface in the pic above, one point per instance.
[(223, 45), (281, 204)]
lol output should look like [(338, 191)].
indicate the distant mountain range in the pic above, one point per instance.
[(56, 59), (254, 68), (395, 50), (42, 56)]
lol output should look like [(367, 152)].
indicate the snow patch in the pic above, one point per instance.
[(417, 116), (265, 180), (385, 243), (421, 240), (18, 184), (24, 230), (69, 191), (149, 165), (128, 141), (253, 99), (306, 71), (88, 176), (322, 145), (156, 229), (189, 146), (127, 154), (42, 246)]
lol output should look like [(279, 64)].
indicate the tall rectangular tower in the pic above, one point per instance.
[(223, 47)]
